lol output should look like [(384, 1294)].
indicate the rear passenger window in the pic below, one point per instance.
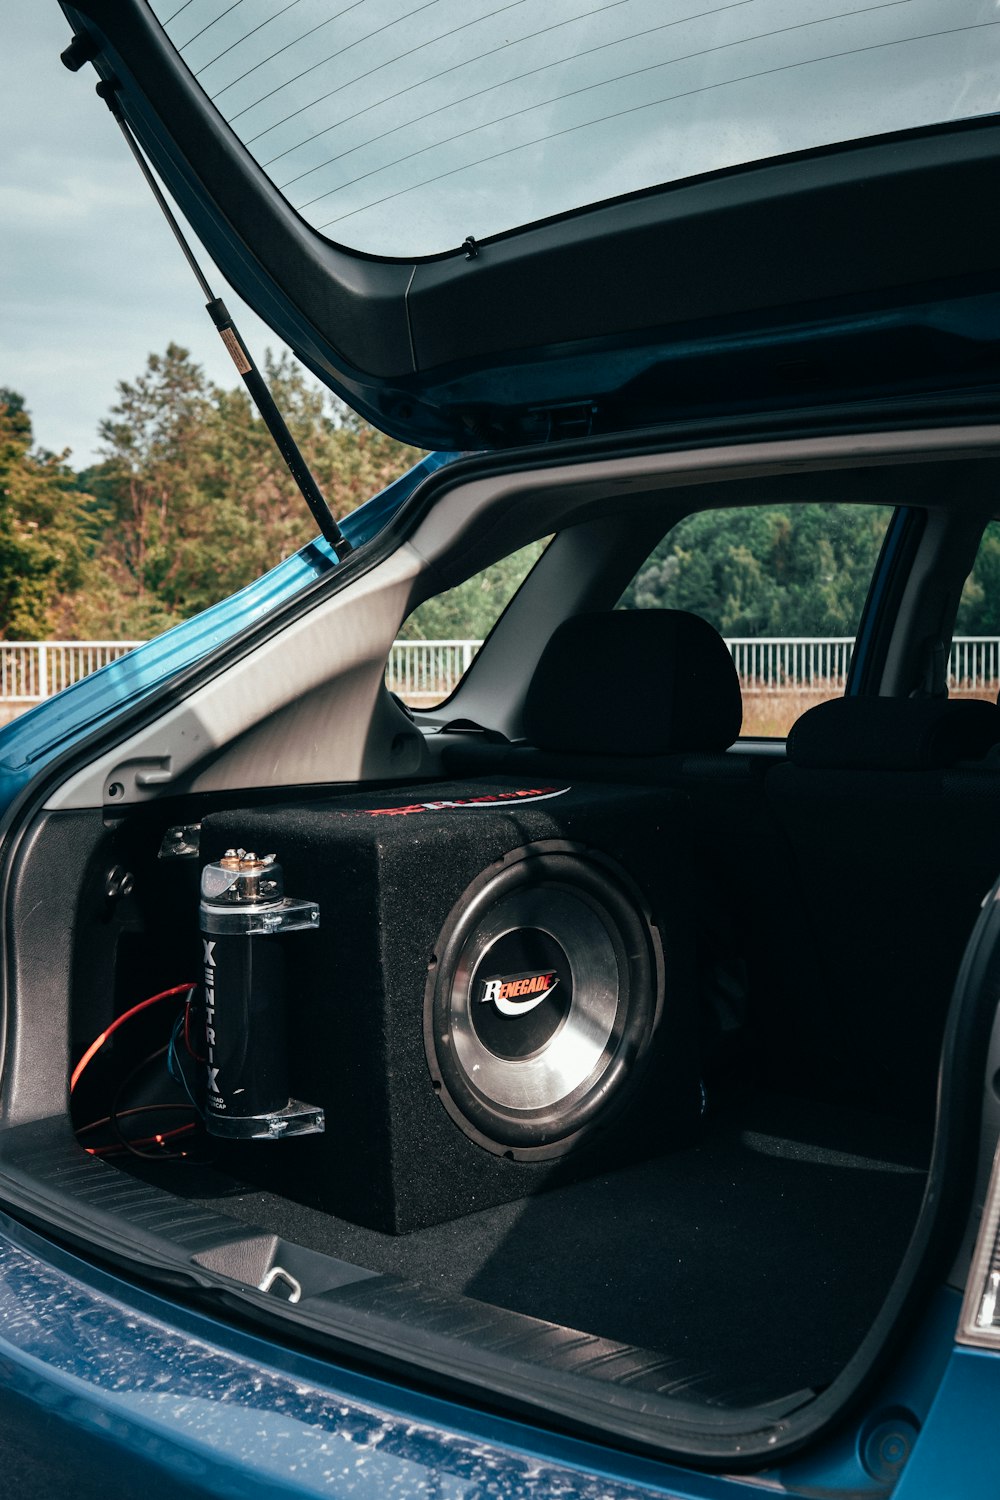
[(784, 584), (439, 640), (974, 663)]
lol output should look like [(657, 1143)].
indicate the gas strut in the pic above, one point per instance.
[(228, 332)]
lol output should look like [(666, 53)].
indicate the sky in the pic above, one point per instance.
[(91, 279)]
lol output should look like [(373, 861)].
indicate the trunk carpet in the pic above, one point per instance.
[(763, 1252)]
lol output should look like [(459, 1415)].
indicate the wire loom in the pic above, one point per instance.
[(159, 1145)]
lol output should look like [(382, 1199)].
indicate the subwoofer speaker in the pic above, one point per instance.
[(543, 1000), (500, 996)]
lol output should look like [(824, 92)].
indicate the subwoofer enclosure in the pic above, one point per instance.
[(501, 995)]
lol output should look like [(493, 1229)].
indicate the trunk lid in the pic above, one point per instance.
[(491, 225)]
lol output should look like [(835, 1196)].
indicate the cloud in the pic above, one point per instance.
[(91, 280)]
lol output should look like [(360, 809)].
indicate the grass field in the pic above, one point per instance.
[(770, 715)]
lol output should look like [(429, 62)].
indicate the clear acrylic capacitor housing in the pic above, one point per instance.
[(243, 913)]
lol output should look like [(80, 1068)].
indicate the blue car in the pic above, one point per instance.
[(562, 1081)]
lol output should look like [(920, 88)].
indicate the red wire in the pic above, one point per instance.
[(98, 1043), (148, 1140)]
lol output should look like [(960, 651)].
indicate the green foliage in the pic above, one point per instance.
[(979, 611), (766, 570), (196, 498), (46, 529), (191, 501), (471, 609)]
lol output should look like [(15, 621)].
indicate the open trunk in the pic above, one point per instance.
[(729, 1259), (691, 1298), (706, 1220)]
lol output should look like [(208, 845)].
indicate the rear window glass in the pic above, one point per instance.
[(399, 127), (785, 585)]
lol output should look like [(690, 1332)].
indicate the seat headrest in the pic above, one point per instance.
[(634, 682), (893, 734)]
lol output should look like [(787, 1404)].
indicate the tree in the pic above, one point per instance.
[(198, 499), (767, 570), (159, 474), (471, 609), (979, 611), (46, 528)]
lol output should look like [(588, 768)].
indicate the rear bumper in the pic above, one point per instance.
[(109, 1391), (956, 1453)]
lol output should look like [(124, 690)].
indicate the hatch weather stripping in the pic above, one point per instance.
[(228, 332)]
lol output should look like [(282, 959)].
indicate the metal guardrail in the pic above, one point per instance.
[(784, 663), (33, 670), (428, 670)]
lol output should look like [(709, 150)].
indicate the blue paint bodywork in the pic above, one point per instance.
[(956, 1452), (192, 1402), (165, 1400)]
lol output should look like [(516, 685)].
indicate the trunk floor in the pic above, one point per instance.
[(764, 1252)]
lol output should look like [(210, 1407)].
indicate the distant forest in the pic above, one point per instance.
[(190, 501)]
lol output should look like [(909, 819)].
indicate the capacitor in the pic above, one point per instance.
[(244, 916)]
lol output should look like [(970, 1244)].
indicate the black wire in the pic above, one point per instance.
[(466, 62), (246, 36), (329, 58), (617, 114), (506, 82), (174, 1065), (120, 1136), (176, 13), (213, 22), (137, 1109)]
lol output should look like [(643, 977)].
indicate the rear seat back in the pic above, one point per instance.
[(647, 697), (894, 842), (628, 695)]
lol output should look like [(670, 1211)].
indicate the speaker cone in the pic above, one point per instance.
[(542, 1000)]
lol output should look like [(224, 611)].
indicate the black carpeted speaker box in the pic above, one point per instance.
[(501, 995)]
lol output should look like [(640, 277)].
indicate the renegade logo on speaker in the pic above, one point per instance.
[(520, 993)]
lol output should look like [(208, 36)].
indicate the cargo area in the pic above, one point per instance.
[(730, 1244), (743, 1270)]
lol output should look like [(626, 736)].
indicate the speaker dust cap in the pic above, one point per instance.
[(543, 1000)]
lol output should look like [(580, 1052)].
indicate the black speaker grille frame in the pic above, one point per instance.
[(615, 904)]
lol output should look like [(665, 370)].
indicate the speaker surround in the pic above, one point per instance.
[(501, 995), (542, 1000)]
